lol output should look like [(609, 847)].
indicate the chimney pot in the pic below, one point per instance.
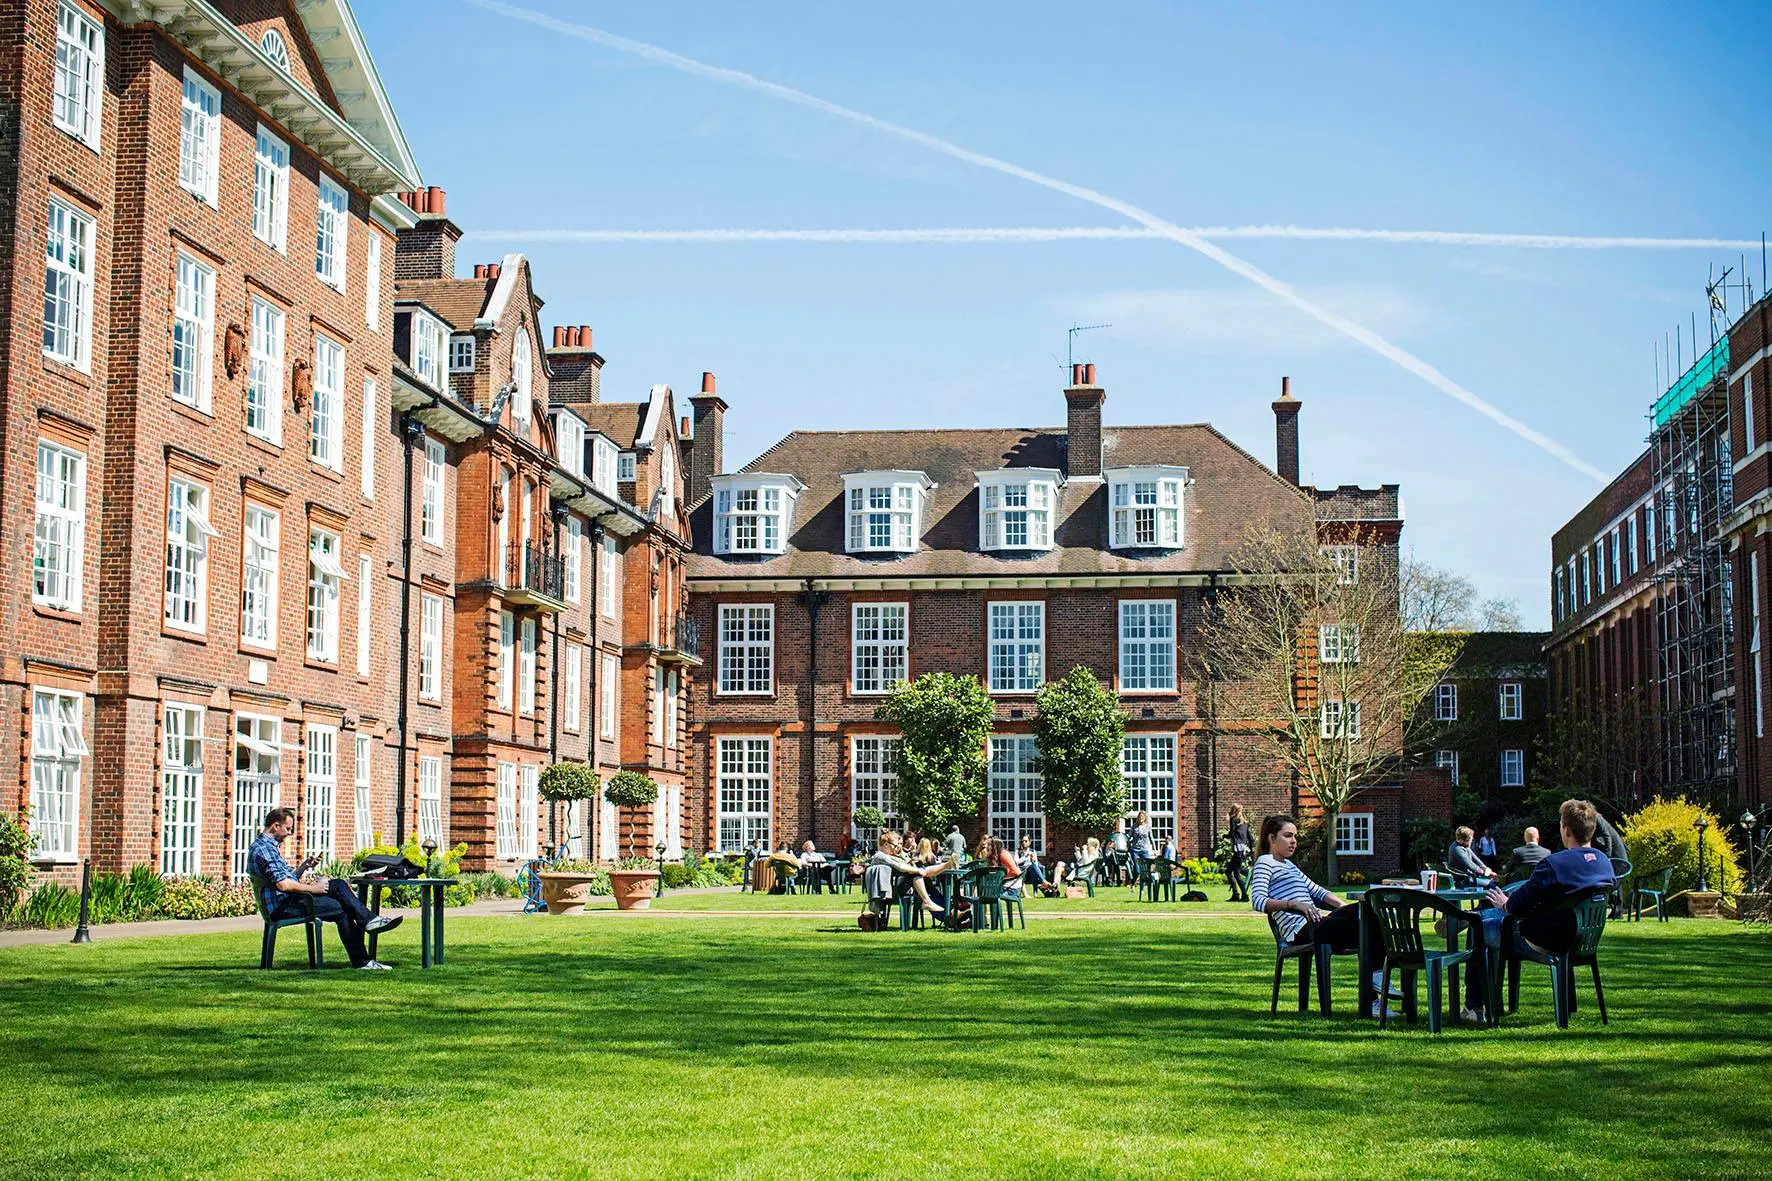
[(1286, 409), (479, 270), (436, 199), (707, 382), (584, 335), (1082, 403), (683, 430), (1089, 374), (559, 335)]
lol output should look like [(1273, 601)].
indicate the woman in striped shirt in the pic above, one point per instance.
[(1303, 912)]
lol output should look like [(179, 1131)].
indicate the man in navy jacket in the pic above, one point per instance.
[(1544, 903)]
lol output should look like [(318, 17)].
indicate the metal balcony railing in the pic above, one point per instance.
[(532, 573)]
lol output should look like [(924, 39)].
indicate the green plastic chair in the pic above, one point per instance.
[(1156, 879), (1308, 955), (1620, 890), (987, 892), (1658, 896), (308, 920), (1590, 924), (1397, 914), (1085, 872), (910, 911)]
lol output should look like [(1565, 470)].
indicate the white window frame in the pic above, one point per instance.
[(1513, 767), (528, 808), (181, 790), (884, 511), (604, 460), (332, 222), (526, 691), (1017, 651), (625, 466), (199, 138), (573, 560), (507, 659), (366, 476), (1015, 790), (880, 647), (753, 516), (1148, 765), (1446, 702), (58, 746), (523, 374), (506, 832), (258, 781), (1017, 509), (746, 649), (873, 780), (326, 577), (264, 372), (1147, 645), (187, 555), (1353, 834), (502, 572), (270, 190), (193, 333), (672, 690), (569, 441), (67, 311), (1630, 544), (428, 344), (1340, 719), (58, 553), (320, 791), (1145, 507), (372, 281), (610, 688), (261, 541), (1346, 560), (430, 513), (1562, 604), (1447, 760), (744, 791), (461, 352), (1510, 700), (78, 106), (326, 414), (430, 647), (609, 570), (1338, 643), (1753, 642), (430, 798), (363, 818), (574, 707), (365, 613)]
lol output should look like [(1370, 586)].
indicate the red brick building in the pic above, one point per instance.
[(1746, 528)]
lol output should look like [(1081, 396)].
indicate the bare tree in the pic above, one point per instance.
[(1319, 668), (1436, 600)]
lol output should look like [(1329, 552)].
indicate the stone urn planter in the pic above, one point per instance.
[(633, 888), (565, 893)]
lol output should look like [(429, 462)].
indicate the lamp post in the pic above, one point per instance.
[(1703, 878), (430, 848), (659, 891), (1749, 821), (83, 933)]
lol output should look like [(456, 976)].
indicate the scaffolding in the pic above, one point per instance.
[(1693, 478)]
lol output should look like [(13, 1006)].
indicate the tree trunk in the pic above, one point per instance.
[(1330, 876)]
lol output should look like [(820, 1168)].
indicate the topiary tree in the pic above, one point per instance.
[(945, 721), (1079, 731), (1665, 833), (566, 783), (630, 789)]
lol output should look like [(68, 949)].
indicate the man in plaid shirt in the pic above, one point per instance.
[(332, 900)]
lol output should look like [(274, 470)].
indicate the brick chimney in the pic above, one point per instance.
[(705, 448), (1286, 409), (427, 250), (577, 367), (1082, 400)]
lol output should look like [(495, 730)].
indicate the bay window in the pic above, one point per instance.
[(1145, 510), (752, 514), (885, 510), (1015, 508)]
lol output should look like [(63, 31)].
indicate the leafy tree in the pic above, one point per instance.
[(16, 845), (1079, 731), (945, 721), (568, 781), (629, 790)]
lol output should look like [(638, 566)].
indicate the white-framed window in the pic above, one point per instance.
[(573, 560), (1340, 719), (507, 658), (1447, 761), (264, 373), (747, 648), (744, 769), (1587, 586), (58, 548), (609, 569), (569, 441), (326, 439), (79, 75), (574, 701), (1338, 643), (430, 649), (1747, 413), (1346, 561), (873, 780), (1446, 702), (275, 48), (503, 574), (672, 683), (1513, 768), (187, 555), (427, 349), (258, 778), (1562, 611), (1648, 536), (507, 811), (365, 609), (1753, 641), (366, 477), (1017, 646), (270, 190), (321, 784), (521, 374), (1630, 544), (193, 333), (1015, 509), (1617, 563), (880, 642), (1147, 764), (526, 700), (430, 513), (58, 744), (529, 808), (430, 798), (325, 578), (372, 282), (461, 353), (1353, 834), (331, 233), (199, 138), (603, 465), (1146, 507), (624, 467), (261, 539), (1147, 644), (885, 511), (181, 790), (752, 517), (1016, 791), (363, 832), (67, 287), (1512, 694), (610, 687), (667, 480)]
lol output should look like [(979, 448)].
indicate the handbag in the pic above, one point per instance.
[(391, 866)]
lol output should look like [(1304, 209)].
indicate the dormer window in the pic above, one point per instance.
[(1145, 507), (461, 353), (569, 441), (603, 465), (752, 513), (520, 375), (1015, 507), (427, 349), (885, 510)]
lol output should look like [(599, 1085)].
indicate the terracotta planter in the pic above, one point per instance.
[(565, 893), (633, 887)]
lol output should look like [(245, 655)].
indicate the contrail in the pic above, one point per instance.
[(1188, 238), (988, 234)]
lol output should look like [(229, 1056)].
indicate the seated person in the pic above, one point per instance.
[(1543, 904), (785, 865), (904, 875), (992, 851), (1528, 853), (1032, 872), (809, 855), (1462, 859), (845, 847), (332, 899)]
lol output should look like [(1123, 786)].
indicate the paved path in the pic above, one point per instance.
[(251, 922)]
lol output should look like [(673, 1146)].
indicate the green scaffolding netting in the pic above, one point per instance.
[(1704, 371)]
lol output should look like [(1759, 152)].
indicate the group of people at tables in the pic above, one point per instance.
[(1302, 911)]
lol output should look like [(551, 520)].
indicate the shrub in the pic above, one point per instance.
[(16, 844), (868, 816), (1079, 730), (127, 898), (206, 898), (634, 863), (492, 885), (1425, 839), (50, 905), (1663, 834), (568, 781), (1204, 871), (1352, 877), (677, 876)]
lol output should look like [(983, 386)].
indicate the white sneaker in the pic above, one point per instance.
[(1473, 1017), (375, 966)]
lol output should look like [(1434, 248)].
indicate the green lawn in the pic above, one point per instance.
[(689, 1046)]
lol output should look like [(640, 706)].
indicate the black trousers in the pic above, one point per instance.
[(1234, 871), (338, 903), (1339, 928)]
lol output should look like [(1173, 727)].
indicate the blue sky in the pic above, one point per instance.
[(1578, 119)]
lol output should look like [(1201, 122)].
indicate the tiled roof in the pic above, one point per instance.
[(1230, 490), (619, 420), (457, 300)]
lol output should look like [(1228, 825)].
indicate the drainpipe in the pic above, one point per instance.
[(1212, 726), (559, 516), (813, 598), (412, 433)]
